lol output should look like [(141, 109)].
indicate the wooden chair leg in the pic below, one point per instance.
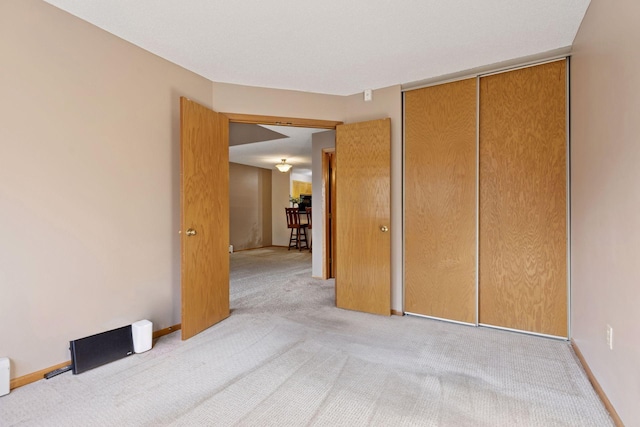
[(291, 240), (302, 237)]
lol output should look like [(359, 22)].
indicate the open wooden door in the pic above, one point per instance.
[(204, 204), (363, 247)]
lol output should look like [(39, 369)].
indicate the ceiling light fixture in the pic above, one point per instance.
[(284, 166)]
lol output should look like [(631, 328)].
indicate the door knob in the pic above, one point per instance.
[(384, 228), (191, 232)]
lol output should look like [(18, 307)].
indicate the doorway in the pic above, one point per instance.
[(264, 155), (367, 149), (270, 168)]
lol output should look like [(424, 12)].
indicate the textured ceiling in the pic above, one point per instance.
[(335, 46)]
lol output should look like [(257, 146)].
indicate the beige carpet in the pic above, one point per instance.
[(288, 357)]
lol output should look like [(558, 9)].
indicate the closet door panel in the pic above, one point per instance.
[(440, 201), (523, 200)]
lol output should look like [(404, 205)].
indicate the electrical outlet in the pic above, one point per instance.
[(610, 337)]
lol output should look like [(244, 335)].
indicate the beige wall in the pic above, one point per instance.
[(230, 98), (280, 189), (387, 102), (605, 174), (89, 183), (249, 207)]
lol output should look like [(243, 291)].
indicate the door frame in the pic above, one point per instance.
[(281, 121), (329, 204)]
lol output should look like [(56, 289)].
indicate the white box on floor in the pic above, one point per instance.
[(5, 372), (142, 333)]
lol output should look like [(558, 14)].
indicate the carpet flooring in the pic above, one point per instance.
[(287, 357)]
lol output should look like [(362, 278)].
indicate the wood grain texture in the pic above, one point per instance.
[(329, 202), (332, 214), (35, 376), (363, 251), (281, 121), (166, 331), (205, 208), (440, 201), (523, 200), (596, 386)]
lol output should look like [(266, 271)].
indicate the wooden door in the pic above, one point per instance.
[(523, 199), (363, 246), (204, 203), (440, 201), (328, 195)]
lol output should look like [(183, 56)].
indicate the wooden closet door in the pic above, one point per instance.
[(440, 201), (523, 200)]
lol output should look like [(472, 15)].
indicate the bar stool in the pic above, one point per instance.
[(298, 234)]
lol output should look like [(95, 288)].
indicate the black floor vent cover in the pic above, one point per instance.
[(96, 350)]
